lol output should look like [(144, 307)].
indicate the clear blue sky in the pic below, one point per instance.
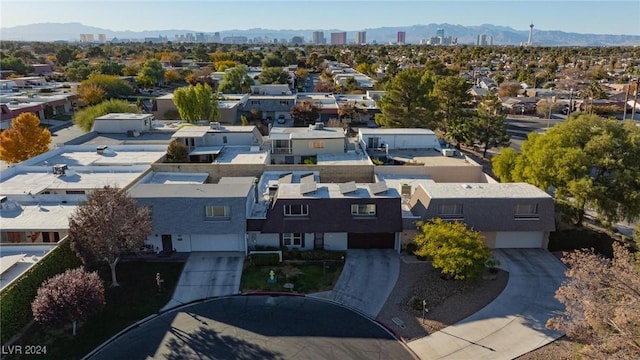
[(599, 17)]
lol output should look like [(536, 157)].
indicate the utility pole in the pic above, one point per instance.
[(635, 99), (626, 100)]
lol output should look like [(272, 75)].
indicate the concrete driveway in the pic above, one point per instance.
[(366, 281), (514, 323), (208, 274)]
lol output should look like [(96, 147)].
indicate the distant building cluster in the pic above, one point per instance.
[(484, 40), (90, 38), (440, 39)]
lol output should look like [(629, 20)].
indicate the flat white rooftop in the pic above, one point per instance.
[(18, 259), (86, 155), (348, 158), (175, 178), (394, 131), (242, 155), (124, 116), (35, 182), (483, 190), (52, 217)]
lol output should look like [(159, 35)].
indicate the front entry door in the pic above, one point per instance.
[(167, 244), (318, 242)]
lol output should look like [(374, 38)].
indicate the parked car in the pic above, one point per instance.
[(281, 119)]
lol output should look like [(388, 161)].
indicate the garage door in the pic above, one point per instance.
[(519, 239), (229, 242), (371, 241)]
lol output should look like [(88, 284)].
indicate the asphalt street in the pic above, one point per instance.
[(258, 327)]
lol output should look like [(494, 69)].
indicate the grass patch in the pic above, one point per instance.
[(136, 298), (581, 238), (62, 117), (307, 277)]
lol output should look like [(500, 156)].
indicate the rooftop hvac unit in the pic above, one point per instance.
[(60, 169), (100, 149), (448, 152), (214, 125), (317, 126)]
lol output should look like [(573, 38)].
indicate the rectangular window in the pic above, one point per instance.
[(526, 211), (224, 139), (374, 142), (292, 239), (216, 212), (75, 192), (363, 209), (450, 211), (316, 145), (296, 210)]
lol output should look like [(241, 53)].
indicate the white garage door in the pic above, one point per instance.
[(227, 242), (519, 239)]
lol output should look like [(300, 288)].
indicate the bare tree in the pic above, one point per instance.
[(602, 300), (69, 297), (108, 225)]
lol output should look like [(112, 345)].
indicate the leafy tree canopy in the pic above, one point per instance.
[(236, 81), (274, 75), (457, 251), (196, 103), (24, 140)]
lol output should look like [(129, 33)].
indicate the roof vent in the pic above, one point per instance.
[(100, 149), (448, 152), (214, 125), (467, 186)]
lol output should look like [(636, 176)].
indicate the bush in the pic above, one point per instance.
[(411, 248), (84, 118), (265, 248), (15, 301), (321, 255), (290, 254), (265, 259)]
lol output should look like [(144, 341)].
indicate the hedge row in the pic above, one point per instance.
[(265, 259), (15, 301)]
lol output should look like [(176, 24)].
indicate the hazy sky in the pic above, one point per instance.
[(599, 17)]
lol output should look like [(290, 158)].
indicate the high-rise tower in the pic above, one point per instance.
[(530, 33)]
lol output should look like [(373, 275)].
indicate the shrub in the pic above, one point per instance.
[(85, 117), (265, 248), (290, 254), (15, 300), (265, 259), (411, 248), (321, 255)]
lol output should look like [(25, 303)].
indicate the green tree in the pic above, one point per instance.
[(196, 103), (64, 56), (457, 251), (177, 152), (84, 118), (78, 71), (110, 68), (15, 64), (454, 102), (304, 113), (407, 101), (274, 75), (488, 128), (151, 73), (504, 163), (236, 81), (112, 85), (25, 139), (588, 161)]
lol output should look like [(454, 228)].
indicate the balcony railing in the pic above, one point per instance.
[(281, 150)]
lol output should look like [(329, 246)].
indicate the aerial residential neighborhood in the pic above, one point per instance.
[(419, 192)]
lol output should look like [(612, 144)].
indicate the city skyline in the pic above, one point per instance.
[(215, 16)]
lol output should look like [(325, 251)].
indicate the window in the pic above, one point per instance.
[(316, 145), (75, 192), (224, 139), (218, 212), (363, 209), (292, 239), (374, 142), (525, 211), (449, 211), (296, 210)]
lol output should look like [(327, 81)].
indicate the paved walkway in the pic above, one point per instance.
[(366, 281), (514, 323), (208, 274), (258, 327)]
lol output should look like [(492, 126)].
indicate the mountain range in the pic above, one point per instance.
[(502, 35)]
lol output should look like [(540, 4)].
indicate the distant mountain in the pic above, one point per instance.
[(502, 35)]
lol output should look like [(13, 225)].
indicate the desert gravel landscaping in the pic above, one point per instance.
[(448, 301)]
